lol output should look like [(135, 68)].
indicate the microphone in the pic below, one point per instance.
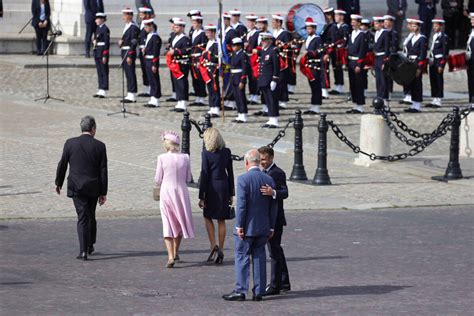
[(57, 33)]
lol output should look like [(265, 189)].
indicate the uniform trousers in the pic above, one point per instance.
[(199, 86), (130, 72), (416, 89), (182, 85), (143, 67), (102, 73), (240, 97), (86, 222), (325, 77), (470, 79), (380, 78), (337, 69), (271, 100), (153, 79), (90, 29), (283, 85), (436, 81), (315, 85), (214, 94), (356, 83), (253, 83)]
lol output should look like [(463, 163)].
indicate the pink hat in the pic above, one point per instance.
[(172, 136)]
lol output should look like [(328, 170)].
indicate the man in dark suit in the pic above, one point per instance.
[(350, 6), (280, 280), (91, 8), (397, 9), (426, 12), (87, 181), (255, 222)]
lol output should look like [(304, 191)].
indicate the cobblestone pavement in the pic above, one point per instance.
[(381, 262), (32, 135)]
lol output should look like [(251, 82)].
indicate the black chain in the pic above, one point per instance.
[(280, 135), (198, 127)]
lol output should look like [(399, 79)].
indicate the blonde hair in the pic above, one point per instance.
[(213, 140), (170, 145)]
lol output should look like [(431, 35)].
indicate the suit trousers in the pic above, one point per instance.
[(271, 100), (130, 73), (246, 250), (181, 86), (240, 98), (41, 39), (153, 79), (102, 73), (199, 86), (143, 67), (214, 94), (416, 89), (470, 79), (337, 69), (436, 81), (380, 78), (356, 84), (279, 274), (90, 30), (315, 85), (86, 222)]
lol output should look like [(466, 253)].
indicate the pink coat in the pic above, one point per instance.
[(173, 171)]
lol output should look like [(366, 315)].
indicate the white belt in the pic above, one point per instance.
[(235, 71), (149, 56), (314, 60), (380, 54), (413, 56), (142, 46), (438, 56), (101, 44), (353, 58), (125, 47)]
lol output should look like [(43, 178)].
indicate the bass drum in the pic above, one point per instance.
[(297, 15)]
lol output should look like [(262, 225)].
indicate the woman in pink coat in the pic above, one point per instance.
[(173, 171)]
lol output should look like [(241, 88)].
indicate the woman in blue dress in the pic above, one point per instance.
[(216, 189)]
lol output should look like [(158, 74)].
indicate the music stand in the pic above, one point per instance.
[(47, 97), (124, 109)]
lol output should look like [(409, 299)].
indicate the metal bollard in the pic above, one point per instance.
[(453, 171), (298, 173), (378, 105), (186, 129), (322, 176)]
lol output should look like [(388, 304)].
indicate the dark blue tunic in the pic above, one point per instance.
[(216, 184)]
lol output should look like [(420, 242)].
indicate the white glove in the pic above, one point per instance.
[(273, 85)]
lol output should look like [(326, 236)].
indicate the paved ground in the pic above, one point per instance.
[(384, 262)]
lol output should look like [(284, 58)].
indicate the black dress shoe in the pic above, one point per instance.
[(412, 110), (96, 96), (82, 256), (90, 250), (257, 298), (431, 105), (270, 290), (101, 97), (234, 296), (404, 102), (144, 95), (260, 113), (354, 111), (171, 100), (285, 288), (177, 110), (334, 92), (127, 101)]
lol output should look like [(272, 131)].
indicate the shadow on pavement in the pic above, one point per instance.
[(131, 254), (341, 290)]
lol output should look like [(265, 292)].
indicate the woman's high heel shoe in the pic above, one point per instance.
[(213, 253), (220, 257), (170, 264)]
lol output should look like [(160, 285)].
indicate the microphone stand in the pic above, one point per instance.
[(124, 109), (47, 97), (23, 28)]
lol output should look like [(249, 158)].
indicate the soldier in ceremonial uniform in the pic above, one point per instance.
[(209, 64), (101, 46), (365, 27), (229, 34), (172, 98), (144, 14), (343, 31), (190, 14), (356, 51), (180, 48), (128, 46), (311, 63), (329, 36), (417, 52), (250, 44), (470, 60), (239, 63), (198, 43), (262, 25), (236, 24), (382, 45), (268, 76), (283, 40), (151, 55), (406, 88), (438, 56), (388, 23)]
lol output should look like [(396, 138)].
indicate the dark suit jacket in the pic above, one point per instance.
[(255, 213), (87, 159), (281, 189), (396, 5), (36, 12), (92, 7)]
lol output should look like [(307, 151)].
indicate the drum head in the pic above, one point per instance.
[(298, 14)]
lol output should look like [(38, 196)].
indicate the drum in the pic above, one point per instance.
[(457, 62), (297, 15), (400, 69)]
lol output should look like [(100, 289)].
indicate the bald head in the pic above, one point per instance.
[(252, 158)]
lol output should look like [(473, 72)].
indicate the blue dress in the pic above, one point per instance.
[(216, 184)]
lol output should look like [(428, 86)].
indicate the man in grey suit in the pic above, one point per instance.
[(397, 9), (255, 221)]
